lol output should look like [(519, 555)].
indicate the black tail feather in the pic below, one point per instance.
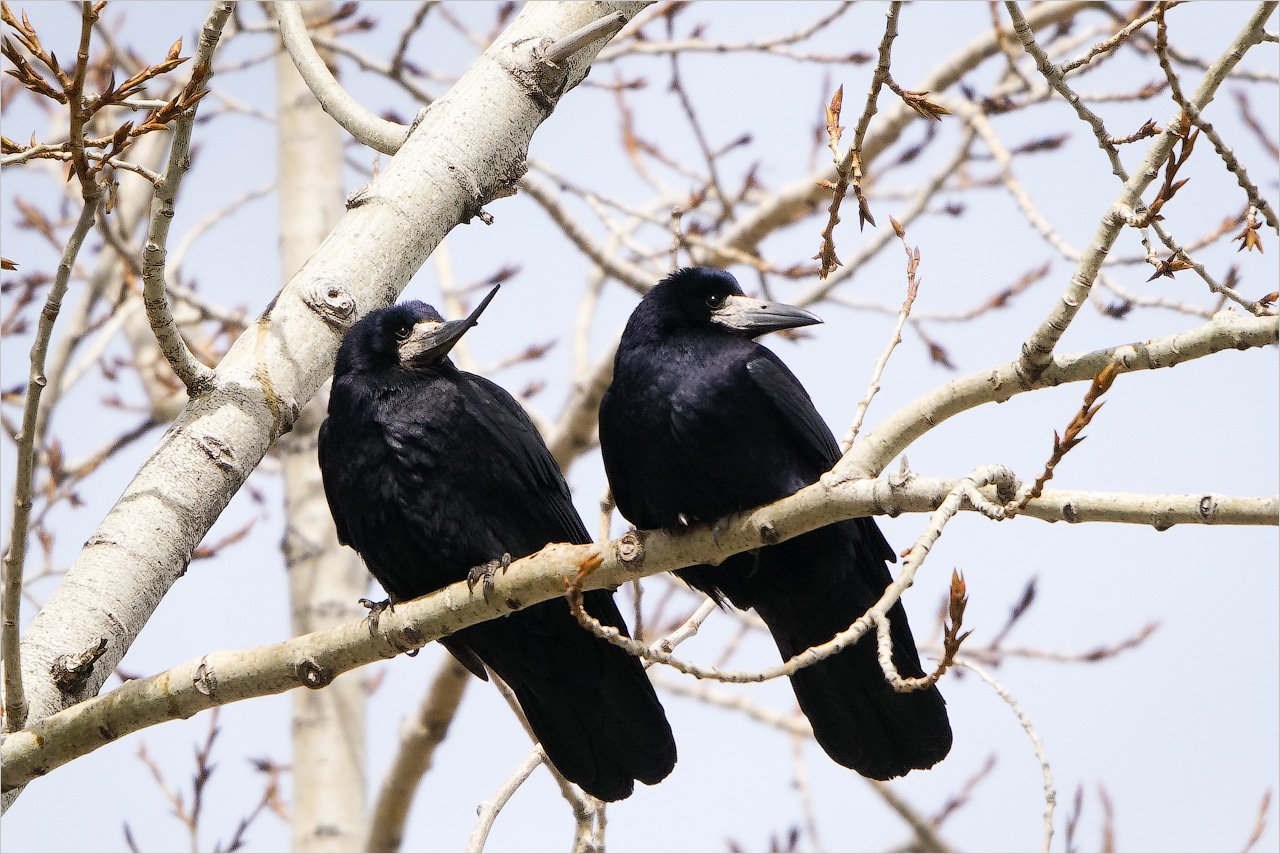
[(809, 589), (590, 704)]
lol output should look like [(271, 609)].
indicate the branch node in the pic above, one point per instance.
[(205, 681), (70, 672), (334, 303), (218, 450), (312, 675), (630, 548)]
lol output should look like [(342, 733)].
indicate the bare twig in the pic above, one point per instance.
[(1260, 825), (197, 377), (15, 704), (849, 167), (1050, 795), (913, 285), (1072, 437), (488, 811), (369, 129)]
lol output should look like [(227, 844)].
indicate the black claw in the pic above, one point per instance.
[(375, 611), (483, 575)]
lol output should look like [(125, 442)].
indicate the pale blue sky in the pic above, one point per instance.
[(1182, 732)]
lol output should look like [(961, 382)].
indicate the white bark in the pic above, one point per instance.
[(325, 578), (469, 149), (313, 660)]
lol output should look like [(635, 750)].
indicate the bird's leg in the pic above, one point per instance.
[(375, 611), (484, 573)]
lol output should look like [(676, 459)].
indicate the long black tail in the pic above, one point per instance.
[(808, 589), (590, 704)]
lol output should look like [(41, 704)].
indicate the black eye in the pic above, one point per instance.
[(402, 331), (715, 300)]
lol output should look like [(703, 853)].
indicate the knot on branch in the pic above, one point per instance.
[(335, 304), (1208, 508), (205, 681), (529, 64), (71, 672), (630, 547), (218, 450), (311, 674)]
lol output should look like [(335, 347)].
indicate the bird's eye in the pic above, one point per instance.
[(402, 331), (715, 300)]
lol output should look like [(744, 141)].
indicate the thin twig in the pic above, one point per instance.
[(488, 811), (913, 285), (876, 617), (197, 377), (371, 130), (1050, 796), (1072, 436), (15, 701)]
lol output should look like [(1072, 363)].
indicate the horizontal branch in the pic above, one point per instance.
[(315, 659)]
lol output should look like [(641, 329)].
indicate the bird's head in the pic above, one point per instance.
[(410, 335), (709, 299)]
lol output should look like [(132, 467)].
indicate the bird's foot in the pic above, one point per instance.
[(484, 573), (375, 611)]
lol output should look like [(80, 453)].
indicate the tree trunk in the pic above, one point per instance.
[(325, 578)]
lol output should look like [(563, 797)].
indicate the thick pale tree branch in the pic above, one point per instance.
[(470, 152), (314, 660), (1227, 331), (836, 497)]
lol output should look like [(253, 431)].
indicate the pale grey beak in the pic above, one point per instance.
[(431, 340), (756, 317)]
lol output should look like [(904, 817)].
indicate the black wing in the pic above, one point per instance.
[(537, 494), (777, 382), (781, 387), (333, 507)]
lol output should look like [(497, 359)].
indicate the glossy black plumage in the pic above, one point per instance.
[(431, 471), (701, 421)]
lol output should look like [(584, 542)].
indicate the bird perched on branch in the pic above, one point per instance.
[(701, 422), (434, 476)]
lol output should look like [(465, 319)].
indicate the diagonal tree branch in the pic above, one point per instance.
[(470, 152), (1037, 350), (1227, 330)]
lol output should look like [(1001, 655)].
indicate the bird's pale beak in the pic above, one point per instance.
[(756, 317), (431, 340)]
